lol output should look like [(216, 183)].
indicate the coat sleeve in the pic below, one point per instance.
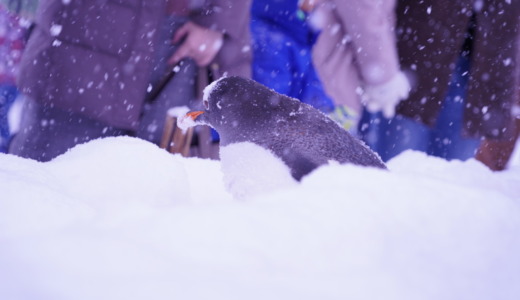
[(231, 17), (370, 27)]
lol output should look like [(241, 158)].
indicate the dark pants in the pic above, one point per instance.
[(390, 137)]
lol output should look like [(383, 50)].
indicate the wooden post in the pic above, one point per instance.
[(174, 139)]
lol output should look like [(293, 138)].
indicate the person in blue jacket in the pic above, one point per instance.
[(282, 40)]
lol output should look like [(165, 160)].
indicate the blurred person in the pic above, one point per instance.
[(90, 66), (282, 47), (356, 54), (13, 32), (460, 56)]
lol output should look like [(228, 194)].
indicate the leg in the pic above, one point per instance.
[(178, 91), (390, 137), (403, 134), (447, 139)]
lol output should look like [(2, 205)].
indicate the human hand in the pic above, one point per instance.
[(201, 44), (385, 97), (308, 5)]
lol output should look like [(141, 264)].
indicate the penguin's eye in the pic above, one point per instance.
[(206, 104)]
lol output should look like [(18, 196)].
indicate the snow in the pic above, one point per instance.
[(56, 29), (183, 121), (119, 218), (209, 89), (250, 170)]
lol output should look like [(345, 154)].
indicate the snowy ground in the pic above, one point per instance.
[(121, 219)]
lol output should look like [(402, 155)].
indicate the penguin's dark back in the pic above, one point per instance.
[(316, 137)]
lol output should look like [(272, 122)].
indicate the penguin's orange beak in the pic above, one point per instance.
[(194, 114)]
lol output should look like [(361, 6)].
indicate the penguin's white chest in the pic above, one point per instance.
[(250, 170)]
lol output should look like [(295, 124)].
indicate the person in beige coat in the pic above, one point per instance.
[(356, 55)]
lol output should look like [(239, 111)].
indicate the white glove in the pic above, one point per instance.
[(385, 97)]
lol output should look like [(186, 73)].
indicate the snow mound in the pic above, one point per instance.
[(33, 200), (118, 171), (250, 170), (424, 229)]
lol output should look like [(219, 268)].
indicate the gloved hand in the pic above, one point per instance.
[(385, 97), (200, 43)]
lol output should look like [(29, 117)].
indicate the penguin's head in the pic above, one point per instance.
[(213, 110), (237, 106)]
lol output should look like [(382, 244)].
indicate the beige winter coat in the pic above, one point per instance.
[(356, 47)]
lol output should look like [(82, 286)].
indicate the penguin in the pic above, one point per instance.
[(243, 110)]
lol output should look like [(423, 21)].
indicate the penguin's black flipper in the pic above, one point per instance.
[(299, 164)]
